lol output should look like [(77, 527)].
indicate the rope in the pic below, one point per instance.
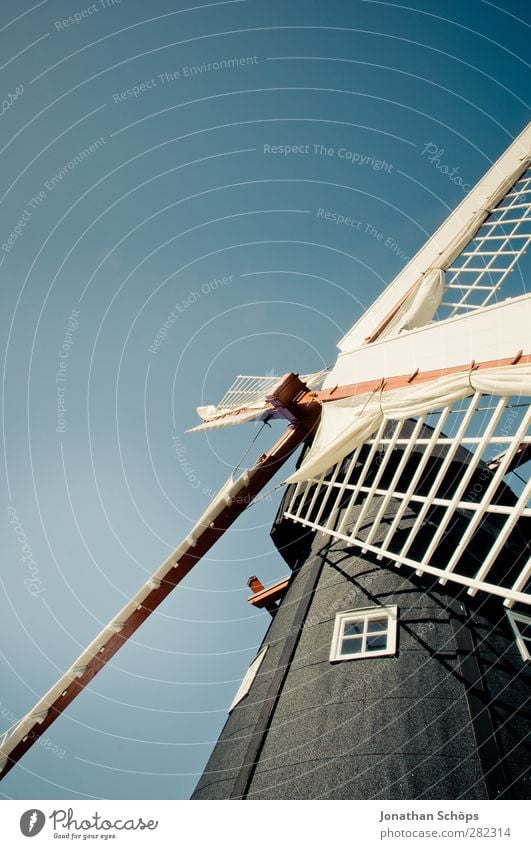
[(469, 375), (380, 396), (265, 495), (245, 453)]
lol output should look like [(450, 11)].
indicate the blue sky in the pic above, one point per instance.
[(145, 171)]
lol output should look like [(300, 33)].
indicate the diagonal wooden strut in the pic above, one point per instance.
[(223, 511)]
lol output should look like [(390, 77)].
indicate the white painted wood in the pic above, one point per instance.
[(485, 195), (466, 477), (363, 473), (405, 455), (377, 478), (521, 583), (499, 423), (483, 586), (363, 617), (518, 623), (480, 336), (512, 518)]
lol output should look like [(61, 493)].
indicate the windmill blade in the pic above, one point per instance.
[(348, 423), (224, 509), (414, 295), (425, 445), (435, 473), (249, 398), (421, 427)]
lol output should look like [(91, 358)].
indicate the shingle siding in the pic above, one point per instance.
[(396, 727)]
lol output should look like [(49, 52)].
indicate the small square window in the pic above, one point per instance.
[(521, 626), (370, 632)]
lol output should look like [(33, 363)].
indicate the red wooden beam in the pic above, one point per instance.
[(398, 381), (308, 399), (268, 596)]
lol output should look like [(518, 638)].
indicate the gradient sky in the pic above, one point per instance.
[(178, 192)]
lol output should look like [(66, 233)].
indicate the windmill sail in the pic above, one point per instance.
[(29, 727), (421, 392), (494, 211), (231, 500), (246, 400), (423, 435), (391, 669)]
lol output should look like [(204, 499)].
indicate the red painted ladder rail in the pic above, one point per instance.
[(225, 508)]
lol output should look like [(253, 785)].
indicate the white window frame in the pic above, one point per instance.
[(524, 644), (364, 615), (248, 678)]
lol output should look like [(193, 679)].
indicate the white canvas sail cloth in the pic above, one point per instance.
[(418, 283), (215, 417), (349, 422), (421, 304), (425, 296)]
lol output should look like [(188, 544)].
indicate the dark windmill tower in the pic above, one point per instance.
[(395, 663), (394, 666)]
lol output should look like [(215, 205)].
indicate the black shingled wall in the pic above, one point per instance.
[(443, 719)]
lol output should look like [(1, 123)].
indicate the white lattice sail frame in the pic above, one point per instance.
[(364, 498), (366, 475)]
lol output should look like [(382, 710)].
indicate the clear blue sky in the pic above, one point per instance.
[(179, 185)]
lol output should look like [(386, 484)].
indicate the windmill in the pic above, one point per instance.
[(394, 663)]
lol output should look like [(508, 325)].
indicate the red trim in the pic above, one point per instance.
[(390, 315), (350, 390), (269, 594), (396, 382)]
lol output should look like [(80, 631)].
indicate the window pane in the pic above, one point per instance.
[(377, 643), (377, 625), (351, 645), (525, 630), (351, 628)]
